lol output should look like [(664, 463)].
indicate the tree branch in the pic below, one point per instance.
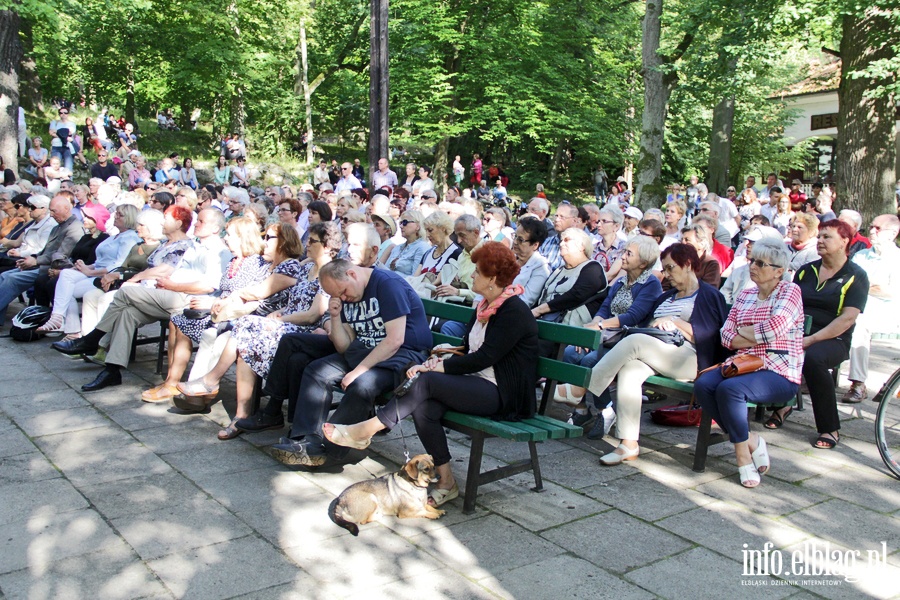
[(680, 49), (340, 61), (831, 52)]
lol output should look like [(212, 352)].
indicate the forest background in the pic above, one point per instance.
[(550, 89)]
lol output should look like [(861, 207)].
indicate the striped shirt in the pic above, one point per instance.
[(777, 326)]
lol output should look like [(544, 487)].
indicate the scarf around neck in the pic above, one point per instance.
[(486, 310)]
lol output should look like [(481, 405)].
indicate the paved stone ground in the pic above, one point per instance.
[(102, 496)]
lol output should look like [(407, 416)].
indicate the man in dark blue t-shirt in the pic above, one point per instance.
[(378, 327)]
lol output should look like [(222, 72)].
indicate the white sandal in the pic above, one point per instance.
[(55, 324), (749, 475), (615, 458), (760, 457)]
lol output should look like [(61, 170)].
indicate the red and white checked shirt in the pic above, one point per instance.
[(778, 325)]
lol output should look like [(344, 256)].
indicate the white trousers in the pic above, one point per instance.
[(630, 363), (867, 323), (70, 286), (93, 306), (211, 348)]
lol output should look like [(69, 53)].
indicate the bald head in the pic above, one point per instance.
[(61, 206)]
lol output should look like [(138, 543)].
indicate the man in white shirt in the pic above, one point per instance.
[(347, 181), (320, 175), (770, 209), (384, 177)]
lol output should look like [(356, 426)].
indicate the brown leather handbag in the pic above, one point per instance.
[(741, 365)]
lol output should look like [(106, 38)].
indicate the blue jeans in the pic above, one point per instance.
[(454, 328), (13, 283), (577, 356), (65, 156), (726, 399)]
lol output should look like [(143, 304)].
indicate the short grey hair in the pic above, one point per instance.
[(218, 217), (542, 202), (647, 249), (470, 222), (153, 221), (655, 213), (853, 216), (129, 214), (237, 194), (713, 206), (587, 242), (711, 223), (701, 188), (366, 229), (771, 251), (702, 234), (615, 212)]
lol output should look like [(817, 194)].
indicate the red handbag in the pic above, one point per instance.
[(683, 415)]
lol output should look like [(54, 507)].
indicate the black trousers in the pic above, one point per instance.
[(45, 289), (819, 358), (430, 397), (295, 352)]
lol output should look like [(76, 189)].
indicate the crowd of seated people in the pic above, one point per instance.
[(307, 290)]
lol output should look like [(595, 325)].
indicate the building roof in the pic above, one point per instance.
[(823, 75)]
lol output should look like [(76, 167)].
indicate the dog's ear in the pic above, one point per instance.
[(412, 469)]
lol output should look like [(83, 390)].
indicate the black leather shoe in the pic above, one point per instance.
[(261, 422), (77, 346), (104, 379)]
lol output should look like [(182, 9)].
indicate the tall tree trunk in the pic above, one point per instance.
[(129, 93), (30, 95), (236, 123), (720, 145), (307, 95), (557, 161), (10, 59), (379, 85), (441, 160), (651, 191), (866, 154)]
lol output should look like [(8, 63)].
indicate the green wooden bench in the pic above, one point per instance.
[(533, 430)]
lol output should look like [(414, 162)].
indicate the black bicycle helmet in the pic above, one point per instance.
[(25, 324)]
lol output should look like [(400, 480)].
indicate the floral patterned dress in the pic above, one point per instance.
[(257, 337), (238, 276)]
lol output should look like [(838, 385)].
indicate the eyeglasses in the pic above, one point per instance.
[(63, 112), (405, 222), (521, 241), (101, 156), (284, 210), (760, 264), (669, 268), (313, 241), (270, 237), (606, 221)]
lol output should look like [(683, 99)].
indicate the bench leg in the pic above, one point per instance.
[(535, 468), (475, 455), (161, 348), (702, 448)]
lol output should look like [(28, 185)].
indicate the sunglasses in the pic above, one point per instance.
[(284, 210), (405, 222), (270, 237), (63, 112)]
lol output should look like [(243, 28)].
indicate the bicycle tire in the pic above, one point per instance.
[(887, 425)]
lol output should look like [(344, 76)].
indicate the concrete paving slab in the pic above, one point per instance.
[(567, 577), (114, 573), (378, 553), (667, 578), (26, 501), (288, 522), (13, 442), (676, 469), (509, 451), (259, 489), (146, 415), (213, 461), (881, 490), (471, 547), (445, 584), (577, 470), (646, 498), (35, 384), (616, 542), (119, 459), (856, 527), (794, 467), (30, 404), (537, 511), (44, 539), (840, 572), (62, 421), (778, 498), (724, 528), (143, 494), (177, 528), (182, 436), (28, 467), (229, 569)]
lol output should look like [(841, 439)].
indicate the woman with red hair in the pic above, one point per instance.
[(834, 291), (494, 377)]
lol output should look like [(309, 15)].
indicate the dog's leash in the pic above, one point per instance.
[(400, 427)]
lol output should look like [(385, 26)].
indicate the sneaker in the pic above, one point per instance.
[(856, 394), (580, 419), (603, 424)]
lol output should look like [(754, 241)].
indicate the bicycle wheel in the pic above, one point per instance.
[(887, 426)]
